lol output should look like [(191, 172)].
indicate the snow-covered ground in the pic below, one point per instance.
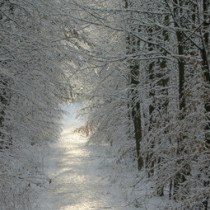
[(78, 178), (83, 176)]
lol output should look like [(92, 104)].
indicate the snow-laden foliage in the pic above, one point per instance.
[(143, 67), (33, 84), (151, 89)]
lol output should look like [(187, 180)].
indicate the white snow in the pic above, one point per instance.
[(83, 176), (79, 179)]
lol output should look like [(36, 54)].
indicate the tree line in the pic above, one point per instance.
[(148, 80), (33, 84)]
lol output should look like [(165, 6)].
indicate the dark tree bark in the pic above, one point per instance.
[(180, 176), (205, 53), (132, 44)]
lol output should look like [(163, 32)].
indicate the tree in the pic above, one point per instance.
[(33, 84), (146, 69), (132, 46)]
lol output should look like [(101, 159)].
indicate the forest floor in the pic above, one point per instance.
[(78, 179), (81, 176)]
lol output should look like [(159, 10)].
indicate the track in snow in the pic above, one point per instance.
[(79, 179)]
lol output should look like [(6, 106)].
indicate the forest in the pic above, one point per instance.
[(143, 70)]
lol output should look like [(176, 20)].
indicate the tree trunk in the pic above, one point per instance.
[(205, 53), (132, 44), (180, 177)]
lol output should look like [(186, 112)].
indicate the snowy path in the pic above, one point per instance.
[(79, 180)]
